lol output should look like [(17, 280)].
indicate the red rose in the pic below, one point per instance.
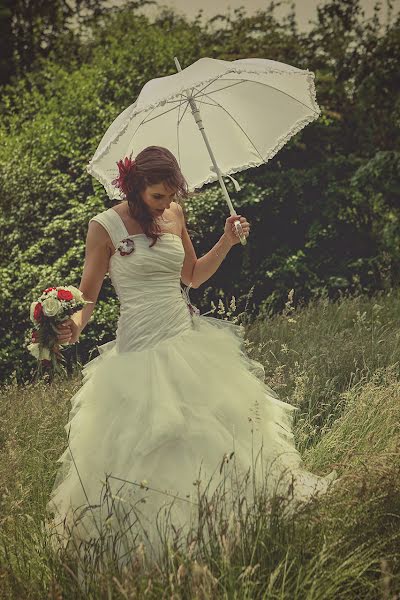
[(64, 295), (38, 312), (48, 290)]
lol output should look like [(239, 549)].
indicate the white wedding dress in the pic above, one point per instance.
[(163, 404)]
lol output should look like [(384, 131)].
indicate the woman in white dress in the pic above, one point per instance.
[(174, 397)]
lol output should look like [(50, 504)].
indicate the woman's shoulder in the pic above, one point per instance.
[(106, 216), (118, 206), (108, 225)]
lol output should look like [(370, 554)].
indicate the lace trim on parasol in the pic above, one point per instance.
[(300, 124)]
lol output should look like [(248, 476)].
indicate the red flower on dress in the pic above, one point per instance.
[(126, 169), (126, 246)]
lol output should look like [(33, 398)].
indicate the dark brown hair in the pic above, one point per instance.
[(154, 164)]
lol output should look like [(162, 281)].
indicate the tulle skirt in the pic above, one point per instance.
[(150, 432)]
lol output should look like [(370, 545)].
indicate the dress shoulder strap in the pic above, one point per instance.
[(112, 223)]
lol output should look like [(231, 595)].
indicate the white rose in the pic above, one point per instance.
[(51, 306), (32, 310), (39, 353)]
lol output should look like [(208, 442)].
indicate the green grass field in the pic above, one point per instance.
[(339, 363)]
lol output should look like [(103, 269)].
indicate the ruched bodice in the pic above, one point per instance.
[(147, 283)]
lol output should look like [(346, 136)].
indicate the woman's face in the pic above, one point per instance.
[(158, 197)]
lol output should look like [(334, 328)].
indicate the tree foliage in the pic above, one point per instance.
[(31, 30)]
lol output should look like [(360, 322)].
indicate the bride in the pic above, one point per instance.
[(173, 402)]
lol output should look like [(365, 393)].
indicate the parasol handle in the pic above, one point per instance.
[(239, 231), (197, 117)]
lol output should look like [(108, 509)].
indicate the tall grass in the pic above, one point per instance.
[(339, 363), (314, 356)]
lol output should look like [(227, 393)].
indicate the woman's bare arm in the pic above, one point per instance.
[(190, 253), (197, 270), (97, 256)]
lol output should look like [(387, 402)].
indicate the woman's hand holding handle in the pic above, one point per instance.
[(231, 231)]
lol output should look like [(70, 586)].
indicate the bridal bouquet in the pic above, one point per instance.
[(55, 305)]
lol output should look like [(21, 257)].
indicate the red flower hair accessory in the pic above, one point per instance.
[(126, 168)]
